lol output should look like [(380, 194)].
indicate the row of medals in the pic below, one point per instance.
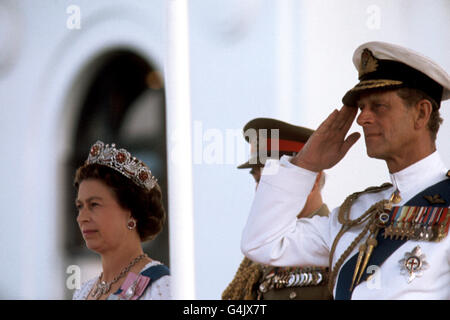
[(292, 277), (404, 222), (418, 223)]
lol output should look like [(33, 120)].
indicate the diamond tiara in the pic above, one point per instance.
[(121, 161)]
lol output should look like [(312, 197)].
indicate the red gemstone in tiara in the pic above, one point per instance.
[(121, 157), (121, 161)]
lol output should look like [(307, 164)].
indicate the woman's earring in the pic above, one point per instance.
[(131, 224)]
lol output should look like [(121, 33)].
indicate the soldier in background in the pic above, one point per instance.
[(257, 281)]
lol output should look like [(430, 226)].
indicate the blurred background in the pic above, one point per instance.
[(73, 72)]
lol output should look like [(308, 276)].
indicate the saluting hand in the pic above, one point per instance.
[(327, 145)]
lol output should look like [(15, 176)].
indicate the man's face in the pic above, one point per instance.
[(388, 125)]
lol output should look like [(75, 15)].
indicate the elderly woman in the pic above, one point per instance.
[(119, 206)]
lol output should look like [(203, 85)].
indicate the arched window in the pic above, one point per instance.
[(124, 104)]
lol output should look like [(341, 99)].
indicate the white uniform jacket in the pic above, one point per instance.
[(273, 234)]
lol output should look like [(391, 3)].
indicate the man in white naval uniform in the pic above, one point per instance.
[(399, 96)]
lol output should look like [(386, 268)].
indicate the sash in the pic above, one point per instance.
[(387, 246), (156, 272), (145, 280)]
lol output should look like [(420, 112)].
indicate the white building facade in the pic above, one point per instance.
[(258, 58)]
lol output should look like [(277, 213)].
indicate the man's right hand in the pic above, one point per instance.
[(327, 145)]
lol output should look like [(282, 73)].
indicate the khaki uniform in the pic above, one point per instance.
[(262, 282)]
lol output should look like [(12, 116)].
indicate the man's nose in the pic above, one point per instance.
[(365, 117)]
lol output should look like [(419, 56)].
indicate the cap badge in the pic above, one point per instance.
[(368, 63), (413, 264)]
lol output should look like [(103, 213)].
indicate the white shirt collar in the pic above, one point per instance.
[(418, 176)]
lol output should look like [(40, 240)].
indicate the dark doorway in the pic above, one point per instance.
[(123, 104)]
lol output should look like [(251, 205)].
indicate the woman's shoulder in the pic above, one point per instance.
[(155, 269), (159, 288)]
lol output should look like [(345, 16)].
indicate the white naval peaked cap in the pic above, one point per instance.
[(386, 65)]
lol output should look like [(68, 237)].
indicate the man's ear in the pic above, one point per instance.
[(423, 112)]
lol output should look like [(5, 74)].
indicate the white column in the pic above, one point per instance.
[(181, 225)]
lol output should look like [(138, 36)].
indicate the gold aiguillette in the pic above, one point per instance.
[(362, 250)]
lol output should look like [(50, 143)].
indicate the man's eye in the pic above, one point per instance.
[(79, 207)]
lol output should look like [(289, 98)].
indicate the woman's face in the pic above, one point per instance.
[(102, 221)]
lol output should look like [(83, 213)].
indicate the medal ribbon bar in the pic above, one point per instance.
[(418, 223)]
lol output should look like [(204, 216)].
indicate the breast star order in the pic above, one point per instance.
[(413, 264)]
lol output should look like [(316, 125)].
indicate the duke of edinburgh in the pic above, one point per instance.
[(386, 242)]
